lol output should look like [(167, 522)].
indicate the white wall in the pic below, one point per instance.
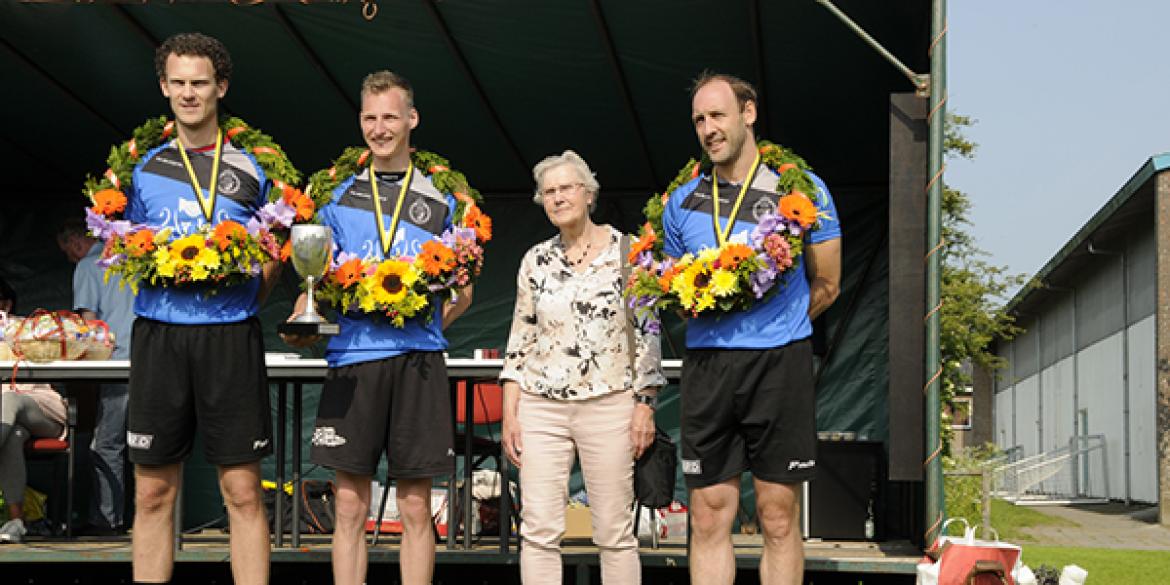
[(1143, 412), (1101, 396)]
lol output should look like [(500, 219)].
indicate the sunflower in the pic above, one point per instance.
[(797, 207), (228, 232), (349, 273), (732, 254), (436, 258), (691, 283), (109, 202), (188, 255), (139, 243), (389, 284), (477, 220), (723, 283)]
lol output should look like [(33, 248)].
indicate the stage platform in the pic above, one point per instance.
[(205, 555)]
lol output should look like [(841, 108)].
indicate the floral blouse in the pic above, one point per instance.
[(568, 339)]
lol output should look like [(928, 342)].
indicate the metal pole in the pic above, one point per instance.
[(919, 81), (935, 503)]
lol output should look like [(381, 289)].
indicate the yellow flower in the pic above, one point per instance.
[(705, 302), (191, 254), (390, 283), (723, 283), (418, 303), (162, 258), (708, 255)]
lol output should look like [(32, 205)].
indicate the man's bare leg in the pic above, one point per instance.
[(778, 506), (418, 540), (713, 510), (240, 486), (352, 507), (152, 541)]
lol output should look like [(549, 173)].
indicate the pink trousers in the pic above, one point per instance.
[(553, 431)]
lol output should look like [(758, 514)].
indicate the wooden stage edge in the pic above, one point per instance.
[(892, 558)]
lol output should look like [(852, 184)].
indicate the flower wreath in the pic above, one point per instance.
[(225, 253), (399, 288), (736, 274)]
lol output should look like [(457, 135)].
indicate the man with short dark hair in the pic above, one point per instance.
[(386, 390), (198, 353), (747, 393), (95, 298)]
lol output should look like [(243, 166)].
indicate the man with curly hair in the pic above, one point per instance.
[(197, 360)]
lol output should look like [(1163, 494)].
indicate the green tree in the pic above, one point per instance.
[(973, 289)]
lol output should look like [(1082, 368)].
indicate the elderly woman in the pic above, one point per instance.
[(568, 384)]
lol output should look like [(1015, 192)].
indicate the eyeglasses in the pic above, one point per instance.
[(562, 189)]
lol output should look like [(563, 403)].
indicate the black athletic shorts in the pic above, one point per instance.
[(399, 405), (748, 410), (205, 377)]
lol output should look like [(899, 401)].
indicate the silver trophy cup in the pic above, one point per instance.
[(312, 246)]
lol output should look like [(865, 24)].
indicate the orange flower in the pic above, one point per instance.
[(477, 220), (349, 273), (664, 280), (286, 250), (733, 254), (139, 243), (797, 206), (297, 200), (228, 232), (784, 168), (644, 242), (436, 258), (108, 202)]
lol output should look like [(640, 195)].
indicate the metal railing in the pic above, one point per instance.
[(1063, 473)]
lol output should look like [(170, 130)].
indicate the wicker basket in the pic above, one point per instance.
[(99, 343), (46, 336)]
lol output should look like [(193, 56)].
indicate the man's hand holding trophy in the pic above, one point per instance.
[(312, 246)]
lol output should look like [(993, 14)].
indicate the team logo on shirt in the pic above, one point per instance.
[(764, 206), (419, 211), (229, 182)]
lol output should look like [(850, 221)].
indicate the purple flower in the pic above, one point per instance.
[(254, 226), (102, 228), (763, 279), (111, 260), (652, 326), (454, 234), (645, 260), (278, 213)]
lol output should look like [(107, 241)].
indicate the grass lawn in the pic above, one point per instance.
[(1106, 566)]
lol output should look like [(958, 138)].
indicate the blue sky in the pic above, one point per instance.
[(1071, 97)]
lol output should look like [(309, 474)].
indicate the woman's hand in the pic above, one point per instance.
[(513, 444), (641, 429)]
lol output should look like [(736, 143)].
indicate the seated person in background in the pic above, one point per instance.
[(26, 410)]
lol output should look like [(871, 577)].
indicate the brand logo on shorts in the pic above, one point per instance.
[(450, 452), (797, 464), (692, 466), (139, 441), (327, 437), (259, 444)]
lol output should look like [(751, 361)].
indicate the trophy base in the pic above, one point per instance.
[(308, 329)]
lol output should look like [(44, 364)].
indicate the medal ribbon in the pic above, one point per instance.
[(387, 237), (720, 232), (206, 203)]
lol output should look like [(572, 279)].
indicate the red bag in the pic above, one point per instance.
[(968, 561)]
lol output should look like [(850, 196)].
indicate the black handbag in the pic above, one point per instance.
[(654, 473)]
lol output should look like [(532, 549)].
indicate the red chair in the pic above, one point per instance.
[(59, 450)]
